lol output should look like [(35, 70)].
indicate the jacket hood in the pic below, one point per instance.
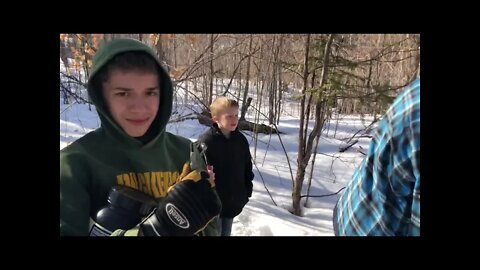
[(104, 54)]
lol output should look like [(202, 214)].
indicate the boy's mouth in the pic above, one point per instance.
[(137, 122)]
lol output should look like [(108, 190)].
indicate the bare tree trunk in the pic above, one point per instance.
[(257, 113), (244, 109), (273, 84), (417, 59), (159, 47), (187, 82), (257, 118), (368, 83), (87, 57), (239, 80), (174, 53), (210, 91), (259, 100), (204, 83), (304, 153), (234, 68), (247, 83), (297, 187), (328, 126), (280, 88), (312, 166), (337, 114), (64, 55), (309, 106)]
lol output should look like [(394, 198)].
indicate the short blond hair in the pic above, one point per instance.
[(222, 103)]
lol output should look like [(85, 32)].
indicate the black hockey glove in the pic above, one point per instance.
[(187, 209)]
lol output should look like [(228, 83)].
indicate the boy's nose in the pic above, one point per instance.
[(138, 104)]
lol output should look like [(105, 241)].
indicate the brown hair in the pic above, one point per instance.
[(129, 61)]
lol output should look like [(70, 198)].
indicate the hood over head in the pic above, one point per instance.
[(103, 56)]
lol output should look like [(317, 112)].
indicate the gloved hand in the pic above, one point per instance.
[(187, 209), (126, 207)]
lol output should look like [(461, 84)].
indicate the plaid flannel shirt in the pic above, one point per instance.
[(383, 196)]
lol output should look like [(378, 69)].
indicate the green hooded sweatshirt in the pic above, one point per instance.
[(108, 156)]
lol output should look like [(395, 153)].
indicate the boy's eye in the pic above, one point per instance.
[(153, 93), (121, 94)]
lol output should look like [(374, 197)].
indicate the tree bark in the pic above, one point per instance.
[(247, 83), (210, 91), (297, 185), (273, 85), (304, 156)]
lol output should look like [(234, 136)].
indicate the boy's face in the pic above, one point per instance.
[(133, 99), (227, 119)]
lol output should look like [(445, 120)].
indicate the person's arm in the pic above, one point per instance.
[(248, 171), (383, 196), (74, 198)]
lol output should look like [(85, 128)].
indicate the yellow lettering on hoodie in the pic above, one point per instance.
[(126, 180), (154, 183), (159, 183), (120, 181), (166, 183), (148, 188), (133, 179), (141, 183)]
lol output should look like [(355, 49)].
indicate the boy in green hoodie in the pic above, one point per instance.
[(130, 170)]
